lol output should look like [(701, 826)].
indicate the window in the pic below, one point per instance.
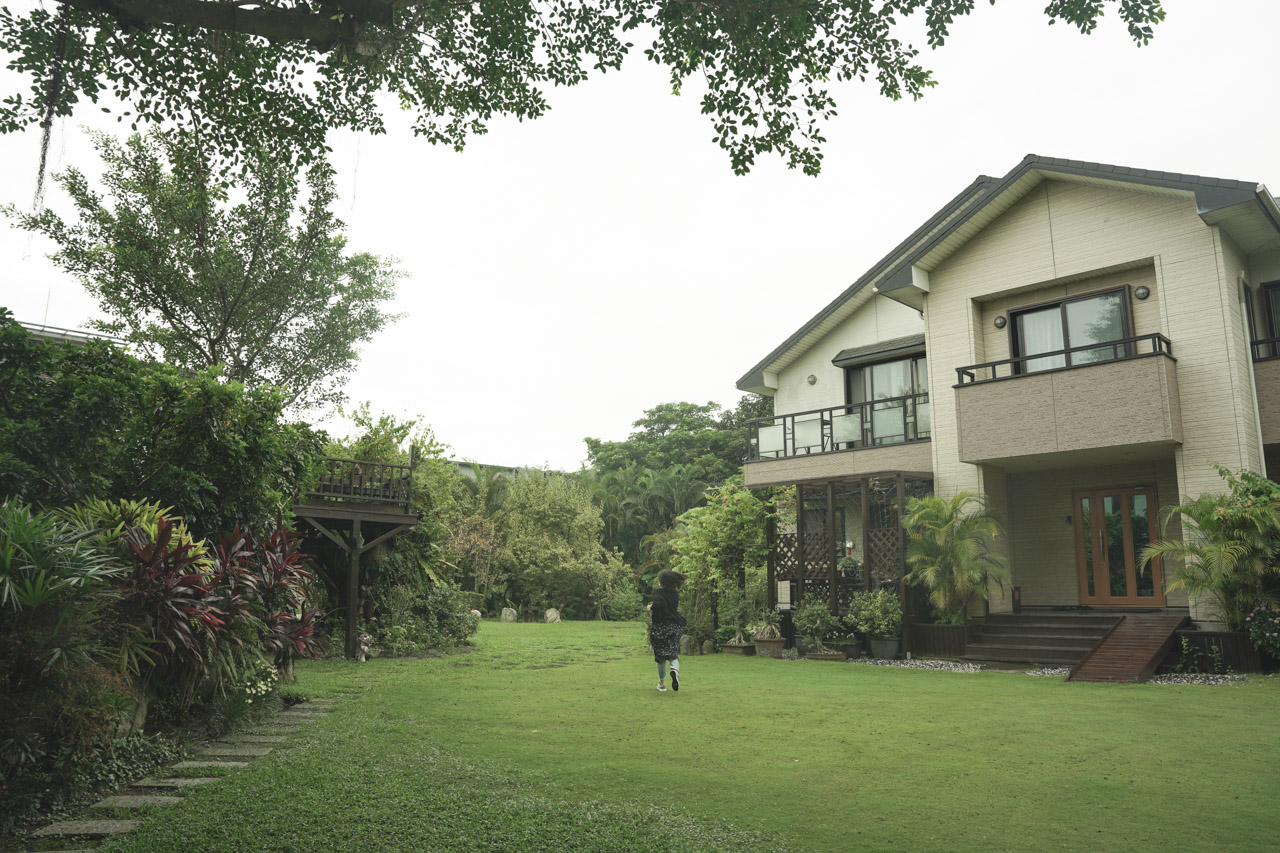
[(895, 402), (1073, 324)]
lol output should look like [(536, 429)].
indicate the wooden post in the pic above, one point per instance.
[(770, 560), (353, 589), (833, 600), (802, 570), (866, 534)]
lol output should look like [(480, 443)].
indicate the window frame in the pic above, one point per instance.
[(1015, 316)]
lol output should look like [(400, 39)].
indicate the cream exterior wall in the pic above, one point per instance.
[(881, 319), (1064, 231)]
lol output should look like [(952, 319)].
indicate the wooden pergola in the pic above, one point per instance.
[(846, 537), (355, 499)]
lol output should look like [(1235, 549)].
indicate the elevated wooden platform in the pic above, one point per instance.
[(1132, 650), (354, 498)]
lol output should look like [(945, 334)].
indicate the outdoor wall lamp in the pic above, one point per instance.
[(812, 380), (1000, 322), (1142, 291)]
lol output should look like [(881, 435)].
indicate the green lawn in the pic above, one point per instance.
[(553, 737)]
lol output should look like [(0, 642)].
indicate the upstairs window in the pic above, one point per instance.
[(1099, 318), (895, 396)]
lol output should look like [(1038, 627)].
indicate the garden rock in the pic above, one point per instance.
[(553, 615), (508, 614), (708, 647), (688, 645), (477, 614)]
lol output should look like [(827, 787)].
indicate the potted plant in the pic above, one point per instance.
[(769, 640), (816, 619), (878, 615), (736, 604)]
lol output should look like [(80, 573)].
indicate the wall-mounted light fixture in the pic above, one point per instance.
[(1142, 291), (1000, 322), (812, 380)]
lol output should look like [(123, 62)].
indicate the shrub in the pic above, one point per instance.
[(876, 614), (1264, 629), (814, 618), (626, 604)]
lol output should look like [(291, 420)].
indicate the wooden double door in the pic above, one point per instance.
[(1112, 528)]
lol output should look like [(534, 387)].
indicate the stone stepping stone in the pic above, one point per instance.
[(187, 765), (322, 700), (96, 828), (175, 782), (248, 738), (136, 801), (274, 730), (242, 751)]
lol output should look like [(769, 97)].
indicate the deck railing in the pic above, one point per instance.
[(1142, 346), (895, 420), (370, 482)]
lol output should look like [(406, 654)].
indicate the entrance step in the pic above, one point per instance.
[(1047, 638), (1132, 650)]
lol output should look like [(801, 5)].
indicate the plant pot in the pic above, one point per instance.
[(770, 648), (829, 655), (744, 649), (883, 648)]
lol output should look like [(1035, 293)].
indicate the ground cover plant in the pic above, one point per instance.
[(552, 736)]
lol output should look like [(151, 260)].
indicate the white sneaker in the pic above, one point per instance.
[(675, 680), (662, 688)]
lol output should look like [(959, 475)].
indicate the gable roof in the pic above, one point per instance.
[(1245, 209)]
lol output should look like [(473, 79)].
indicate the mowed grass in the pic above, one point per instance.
[(553, 737)]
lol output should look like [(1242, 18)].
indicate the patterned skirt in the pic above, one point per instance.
[(665, 640)]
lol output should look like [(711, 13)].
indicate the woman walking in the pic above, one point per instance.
[(664, 630)]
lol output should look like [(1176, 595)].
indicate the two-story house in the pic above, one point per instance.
[(1077, 341)]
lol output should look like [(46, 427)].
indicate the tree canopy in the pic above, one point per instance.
[(192, 278), (277, 74)]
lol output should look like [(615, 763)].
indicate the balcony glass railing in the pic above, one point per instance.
[(858, 425), (1141, 346)]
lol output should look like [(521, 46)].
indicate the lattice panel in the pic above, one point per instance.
[(819, 588), (884, 559), (846, 589), (784, 557), (817, 555)]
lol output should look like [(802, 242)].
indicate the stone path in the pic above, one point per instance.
[(161, 790)]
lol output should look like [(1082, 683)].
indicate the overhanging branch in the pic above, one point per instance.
[(333, 24)]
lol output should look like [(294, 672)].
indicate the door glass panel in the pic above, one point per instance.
[(1113, 518), (1141, 539), (1041, 331), (1096, 320), (890, 379), (1089, 535)]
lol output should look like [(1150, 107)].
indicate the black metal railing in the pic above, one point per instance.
[(1265, 349), (895, 420), (1142, 346)]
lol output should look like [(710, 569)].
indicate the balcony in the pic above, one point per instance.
[(888, 435), (1122, 393)]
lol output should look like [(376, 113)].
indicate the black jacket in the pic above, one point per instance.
[(666, 602)]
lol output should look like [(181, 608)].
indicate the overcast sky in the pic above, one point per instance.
[(568, 273)]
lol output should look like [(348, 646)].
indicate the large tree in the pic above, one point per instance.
[(262, 287), (273, 73)]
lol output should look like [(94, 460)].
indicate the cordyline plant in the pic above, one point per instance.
[(265, 580)]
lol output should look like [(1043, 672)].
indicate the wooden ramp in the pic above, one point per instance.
[(1131, 650)]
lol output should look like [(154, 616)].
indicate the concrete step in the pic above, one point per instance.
[(1036, 641), (136, 801), (1055, 628), (988, 652), (89, 828)]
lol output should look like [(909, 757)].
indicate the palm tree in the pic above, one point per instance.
[(1219, 557), (948, 549)]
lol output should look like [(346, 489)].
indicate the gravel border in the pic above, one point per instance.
[(922, 663)]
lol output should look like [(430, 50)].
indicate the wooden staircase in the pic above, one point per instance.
[(1132, 650), (1047, 638)]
